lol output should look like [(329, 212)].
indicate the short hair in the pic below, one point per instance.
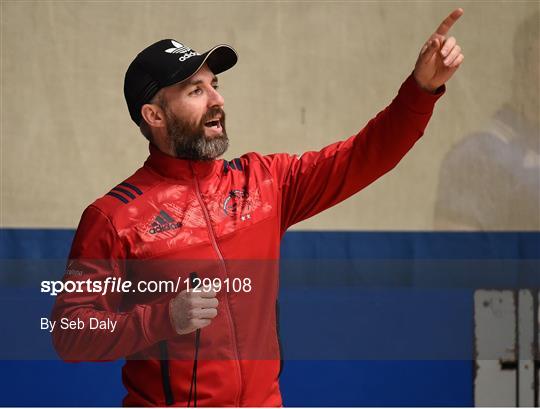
[(144, 127)]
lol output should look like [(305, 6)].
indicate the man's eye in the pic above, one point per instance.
[(216, 86), (197, 91)]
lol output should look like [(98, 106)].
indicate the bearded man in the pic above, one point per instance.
[(187, 215)]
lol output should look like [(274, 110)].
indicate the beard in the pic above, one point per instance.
[(188, 140)]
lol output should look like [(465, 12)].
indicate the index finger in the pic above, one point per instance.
[(449, 21)]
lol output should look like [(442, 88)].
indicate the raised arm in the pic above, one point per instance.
[(316, 181)]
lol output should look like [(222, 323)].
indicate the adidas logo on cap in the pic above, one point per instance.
[(180, 48)]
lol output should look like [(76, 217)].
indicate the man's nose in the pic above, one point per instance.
[(215, 99)]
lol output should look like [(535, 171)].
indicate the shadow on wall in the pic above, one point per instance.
[(490, 180)]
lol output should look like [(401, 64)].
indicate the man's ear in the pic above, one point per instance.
[(153, 115)]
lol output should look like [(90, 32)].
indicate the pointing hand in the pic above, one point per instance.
[(440, 56)]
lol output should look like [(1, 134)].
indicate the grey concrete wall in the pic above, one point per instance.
[(309, 73)]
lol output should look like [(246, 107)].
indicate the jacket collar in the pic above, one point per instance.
[(174, 168)]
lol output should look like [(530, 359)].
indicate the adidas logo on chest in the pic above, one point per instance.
[(164, 222)]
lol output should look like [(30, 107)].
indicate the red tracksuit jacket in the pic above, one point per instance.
[(223, 220)]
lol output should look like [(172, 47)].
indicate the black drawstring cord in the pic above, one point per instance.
[(193, 386)]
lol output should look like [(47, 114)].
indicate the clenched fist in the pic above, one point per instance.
[(191, 310), (440, 56)]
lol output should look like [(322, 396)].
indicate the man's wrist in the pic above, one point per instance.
[(430, 89), (416, 98)]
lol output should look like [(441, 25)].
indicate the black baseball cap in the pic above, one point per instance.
[(167, 62)]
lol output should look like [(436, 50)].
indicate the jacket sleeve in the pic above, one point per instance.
[(96, 254), (316, 181)]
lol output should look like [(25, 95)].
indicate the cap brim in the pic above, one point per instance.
[(221, 58)]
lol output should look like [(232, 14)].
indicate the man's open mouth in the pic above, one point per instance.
[(214, 123)]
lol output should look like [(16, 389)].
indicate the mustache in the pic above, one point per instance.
[(212, 113)]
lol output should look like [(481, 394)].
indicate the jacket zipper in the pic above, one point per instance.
[(213, 240)]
